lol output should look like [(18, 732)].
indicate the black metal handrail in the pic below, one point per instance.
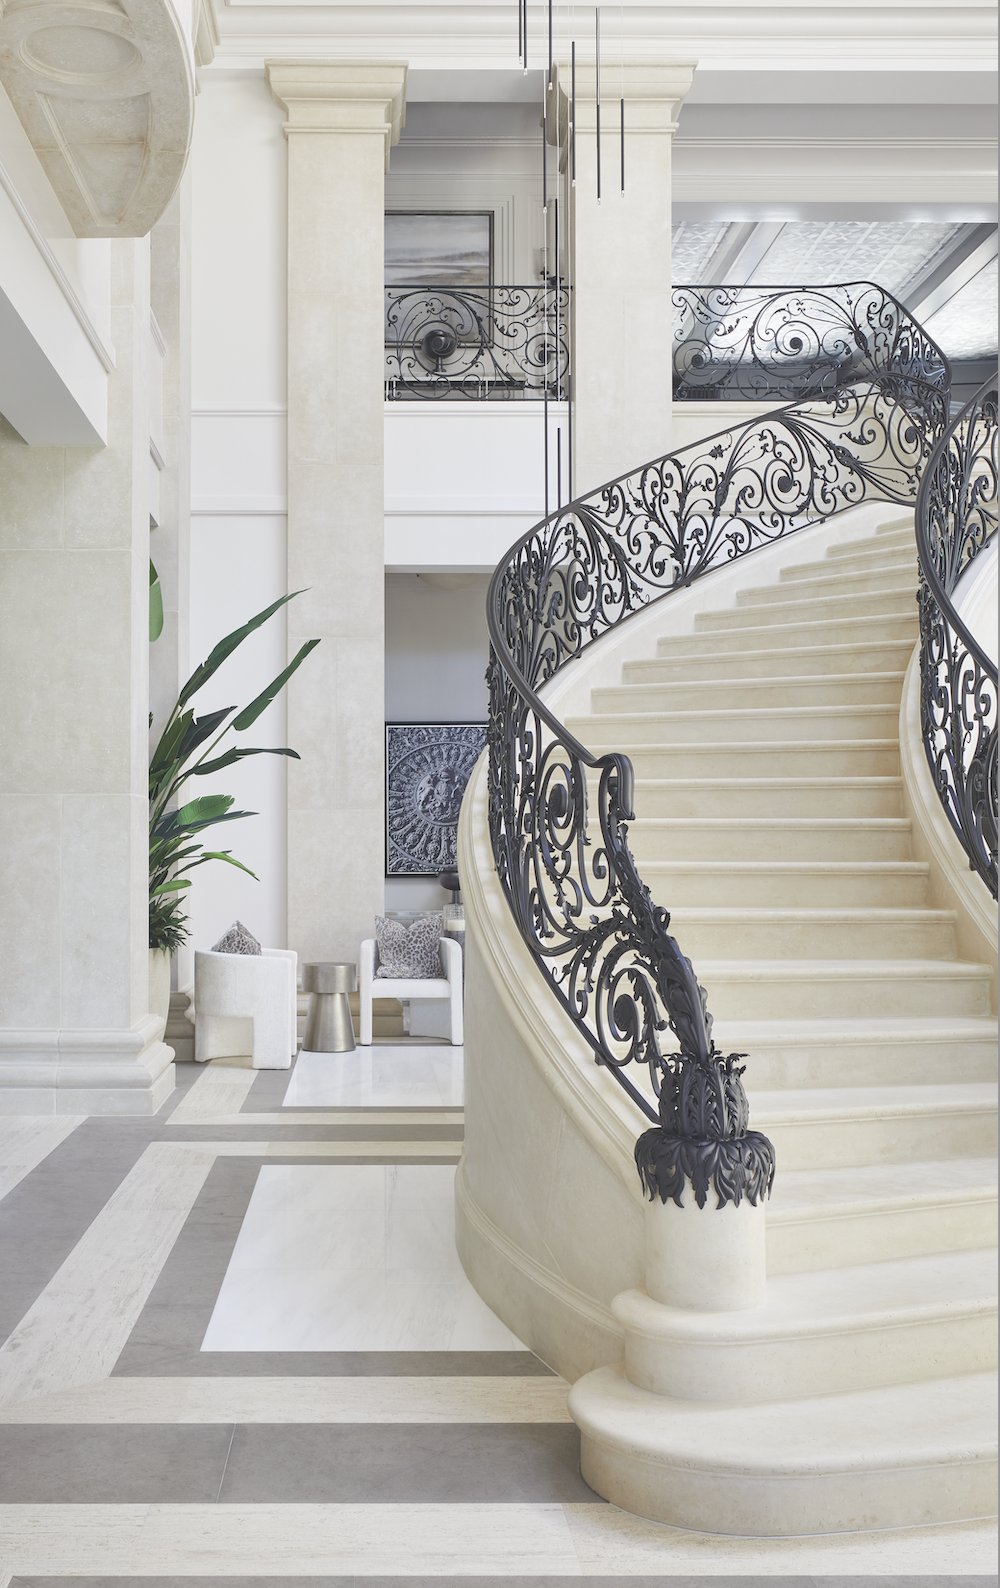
[(581, 906), (956, 518), (476, 343), (787, 344)]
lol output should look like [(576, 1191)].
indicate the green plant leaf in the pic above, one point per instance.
[(236, 754), (155, 604), (169, 887), (250, 713), (227, 646)]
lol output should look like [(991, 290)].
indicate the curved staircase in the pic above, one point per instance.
[(770, 820)]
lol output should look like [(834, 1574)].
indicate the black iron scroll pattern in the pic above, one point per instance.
[(787, 344), (559, 814), (476, 343), (956, 518)]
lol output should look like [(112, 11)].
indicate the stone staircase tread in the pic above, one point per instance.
[(814, 590), (936, 1286), (796, 868), (878, 562), (931, 1029), (929, 1424), (865, 1102), (780, 680), (854, 625), (782, 824), (837, 969), (778, 714), (882, 1187)]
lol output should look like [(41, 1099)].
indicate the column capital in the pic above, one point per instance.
[(341, 97), (653, 92)]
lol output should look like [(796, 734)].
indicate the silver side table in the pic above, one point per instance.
[(329, 1028)]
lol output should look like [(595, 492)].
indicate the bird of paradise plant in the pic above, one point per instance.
[(173, 848)]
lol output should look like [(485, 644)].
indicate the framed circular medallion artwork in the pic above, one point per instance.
[(427, 766)]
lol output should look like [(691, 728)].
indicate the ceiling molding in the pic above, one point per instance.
[(105, 94)]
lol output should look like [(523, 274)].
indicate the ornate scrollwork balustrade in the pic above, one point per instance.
[(570, 881), (476, 343), (787, 344), (956, 517)]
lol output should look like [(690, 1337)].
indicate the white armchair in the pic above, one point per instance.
[(448, 986), (246, 1003)]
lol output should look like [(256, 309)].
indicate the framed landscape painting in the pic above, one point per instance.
[(427, 766), (439, 248)]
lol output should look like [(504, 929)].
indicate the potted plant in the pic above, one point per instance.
[(174, 845)]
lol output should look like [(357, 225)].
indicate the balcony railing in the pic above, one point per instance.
[(731, 344), (476, 344)]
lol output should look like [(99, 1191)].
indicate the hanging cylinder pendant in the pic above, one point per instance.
[(623, 145), (597, 58)]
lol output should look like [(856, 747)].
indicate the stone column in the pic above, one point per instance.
[(343, 117), (76, 1035), (620, 266)]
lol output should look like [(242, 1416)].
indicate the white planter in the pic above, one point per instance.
[(159, 983)]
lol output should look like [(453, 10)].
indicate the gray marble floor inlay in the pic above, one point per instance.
[(285, 1463)]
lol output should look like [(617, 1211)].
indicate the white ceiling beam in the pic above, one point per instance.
[(741, 251), (972, 252)]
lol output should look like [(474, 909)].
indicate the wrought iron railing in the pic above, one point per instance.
[(476, 343), (956, 517), (786, 344), (578, 899)]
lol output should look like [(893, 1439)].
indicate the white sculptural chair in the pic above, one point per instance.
[(246, 1003), (448, 986)]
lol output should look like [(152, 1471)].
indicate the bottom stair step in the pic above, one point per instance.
[(903, 1456)]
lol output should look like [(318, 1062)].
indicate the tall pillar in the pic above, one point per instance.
[(620, 266), (76, 1035), (170, 661), (342, 119)]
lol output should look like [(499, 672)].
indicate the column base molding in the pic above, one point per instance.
[(116, 1071)]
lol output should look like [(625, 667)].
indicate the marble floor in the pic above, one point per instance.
[(238, 1348)]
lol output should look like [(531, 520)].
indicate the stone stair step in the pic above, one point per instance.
[(820, 631), (901, 560), (883, 606), (790, 761), (826, 1218), (832, 934), (836, 1127), (900, 538), (734, 798), (842, 584), (788, 884), (718, 694), (850, 839), (894, 1456), (817, 989), (673, 663), (747, 722), (823, 1331), (804, 1053)]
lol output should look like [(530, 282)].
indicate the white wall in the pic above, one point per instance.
[(436, 651), (237, 569)]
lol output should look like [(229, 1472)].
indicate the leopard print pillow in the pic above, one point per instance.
[(237, 941), (408, 953)]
